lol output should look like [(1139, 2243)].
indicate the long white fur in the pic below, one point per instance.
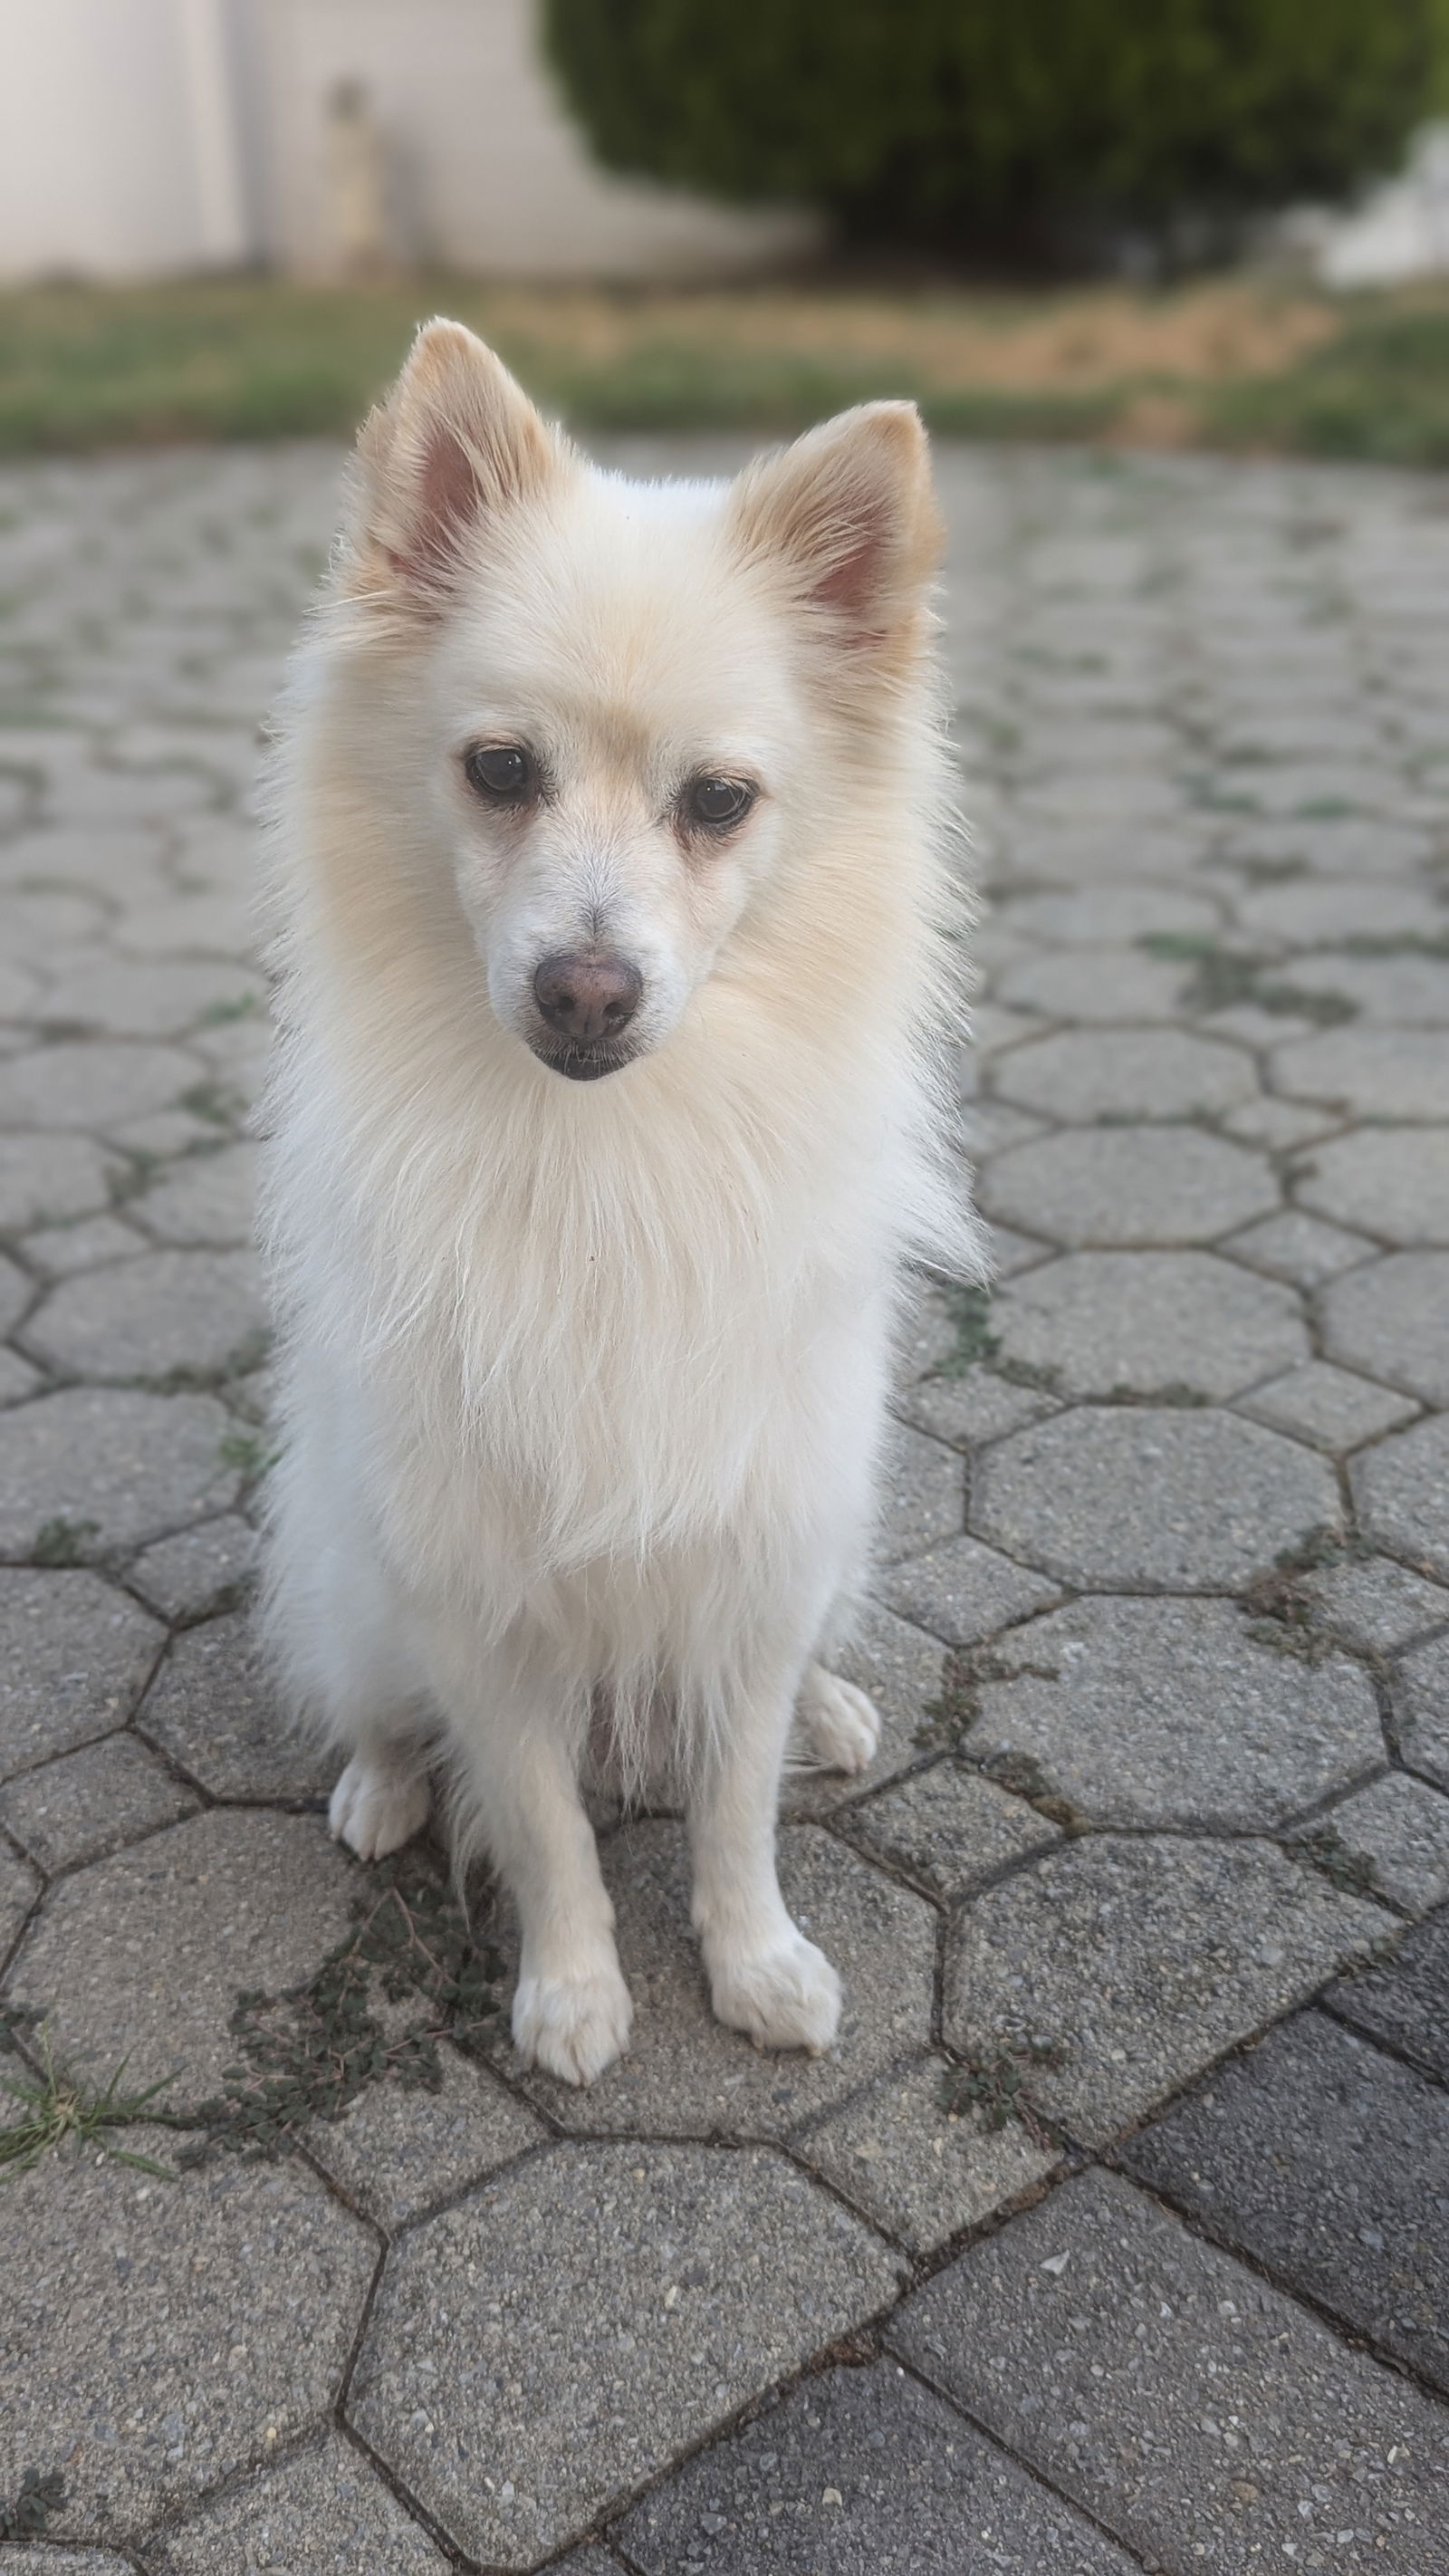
[(583, 1385)]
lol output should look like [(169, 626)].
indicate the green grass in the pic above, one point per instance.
[(1380, 391), (56, 2108)]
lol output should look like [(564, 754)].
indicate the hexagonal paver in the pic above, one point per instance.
[(1329, 1406), (164, 1311), (1392, 1319), (923, 1494), (143, 1956), (950, 1829), (91, 1802), (1129, 1185), (1375, 1072), (44, 1179), (1421, 1694), (160, 999), (1402, 1492), (963, 1591), (115, 1466), (1401, 1828), (399, 2148), (901, 1671), (212, 1707), (685, 2075), (202, 1571), (1107, 1323), (1299, 1248), (15, 1293), (204, 1198), (326, 2510), (1374, 1602), (91, 1084), (75, 1655), (19, 1888), (559, 2335), (1120, 1494), (916, 2168), (1102, 984), (155, 2336), (1126, 1073), (1393, 1182), (1178, 1713), (1142, 1958)]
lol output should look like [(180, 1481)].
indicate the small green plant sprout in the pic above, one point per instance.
[(241, 1006), (969, 1309), (250, 1453), (56, 2106), (995, 2088), (24, 2515), (63, 1542)]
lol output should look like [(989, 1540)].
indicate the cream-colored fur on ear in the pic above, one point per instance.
[(848, 515), (456, 440)]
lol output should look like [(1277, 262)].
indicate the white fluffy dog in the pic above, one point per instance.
[(611, 927)]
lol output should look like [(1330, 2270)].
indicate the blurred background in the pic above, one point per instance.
[(1162, 222)]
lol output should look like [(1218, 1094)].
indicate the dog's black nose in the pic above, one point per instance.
[(587, 998)]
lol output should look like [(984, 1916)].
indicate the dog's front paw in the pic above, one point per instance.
[(573, 2027), (376, 1808), (787, 1996), (842, 1725)]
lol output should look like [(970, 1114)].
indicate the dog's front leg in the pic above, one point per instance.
[(571, 2008), (765, 1978)]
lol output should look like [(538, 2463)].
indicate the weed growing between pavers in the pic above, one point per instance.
[(1223, 977), (250, 1453), (56, 2107), (995, 2087), (1281, 1614), (950, 1718), (40, 2494), (307, 2055), (977, 1346), (62, 1542)]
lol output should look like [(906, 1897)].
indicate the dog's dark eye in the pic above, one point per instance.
[(719, 801), (500, 773)]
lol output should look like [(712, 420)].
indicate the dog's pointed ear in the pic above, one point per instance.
[(455, 441), (848, 515)]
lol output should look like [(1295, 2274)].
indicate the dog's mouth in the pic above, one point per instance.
[(582, 1063)]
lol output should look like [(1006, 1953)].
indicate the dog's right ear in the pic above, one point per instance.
[(455, 441)]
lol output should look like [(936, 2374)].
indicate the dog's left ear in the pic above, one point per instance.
[(455, 442), (849, 515)]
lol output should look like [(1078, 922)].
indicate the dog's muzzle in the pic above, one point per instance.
[(586, 1003)]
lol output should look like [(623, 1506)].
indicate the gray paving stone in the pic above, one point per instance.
[(1119, 1494), (213, 1709), (1392, 1181), (204, 1198), (162, 1313), (1092, 984), (203, 1570), (1112, 915), (865, 2473), (15, 1293), (1142, 1959), (1392, 1319), (1299, 1248), (91, 1083), (1328, 2163), (950, 1829), (118, 1467), (685, 2075), (1173, 1713), (90, 1802), (58, 1251), (17, 1378), (963, 1591), (978, 1407), (1080, 1075), (395, 2151), (326, 2509), (1129, 1185), (541, 2348), (1402, 1829), (1375, 1072), (44, 1179), (1188, 2406), (1108, 1323), (144, 1955), (1087, 855), (1405, 2002), (19, 1888), (1329, 1406), (923, 1495), (1402, 1492), (900, 1670), (156, 2336), (49, 2561), (75, 1656), (165, 999), (1375, 1603), (1421, 1695), (1277, 1124)]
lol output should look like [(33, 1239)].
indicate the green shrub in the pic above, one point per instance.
[(999, 122)]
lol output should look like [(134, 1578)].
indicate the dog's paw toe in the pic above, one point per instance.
[(573, 2027), (843, 1726), (788, 1996), (375, 1809)]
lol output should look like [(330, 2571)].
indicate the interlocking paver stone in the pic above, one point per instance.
[(963, 1591), (19, 1888), (1124, 1185), (1117, 1073), (950, 1829), (164, 1312), (1391, 1318), (1106, 1323), (1164, 1713), (1402, 1492), (116, 1466), (144, 1955), (1141, 1959), (89, 1802), (1402, 1829), (547, 2344), (1143, 1495), (1392, 1182), (204, 1198), (924, 1496), (1378, 1073), (916, 2167), (213, 1709), (1299, 1248), (56, 1251), (46, 1178), (397, 2149), (1327, 2162), (1421, 1695), (325, 2510), (48, 2561), (1329, 1406), (201, 1570), (75, 1655), (901, 1671), (157, 2335), (1405, 2002), (96, 1083), (1374, 1602), (868, 2474), (1189, 2407)]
